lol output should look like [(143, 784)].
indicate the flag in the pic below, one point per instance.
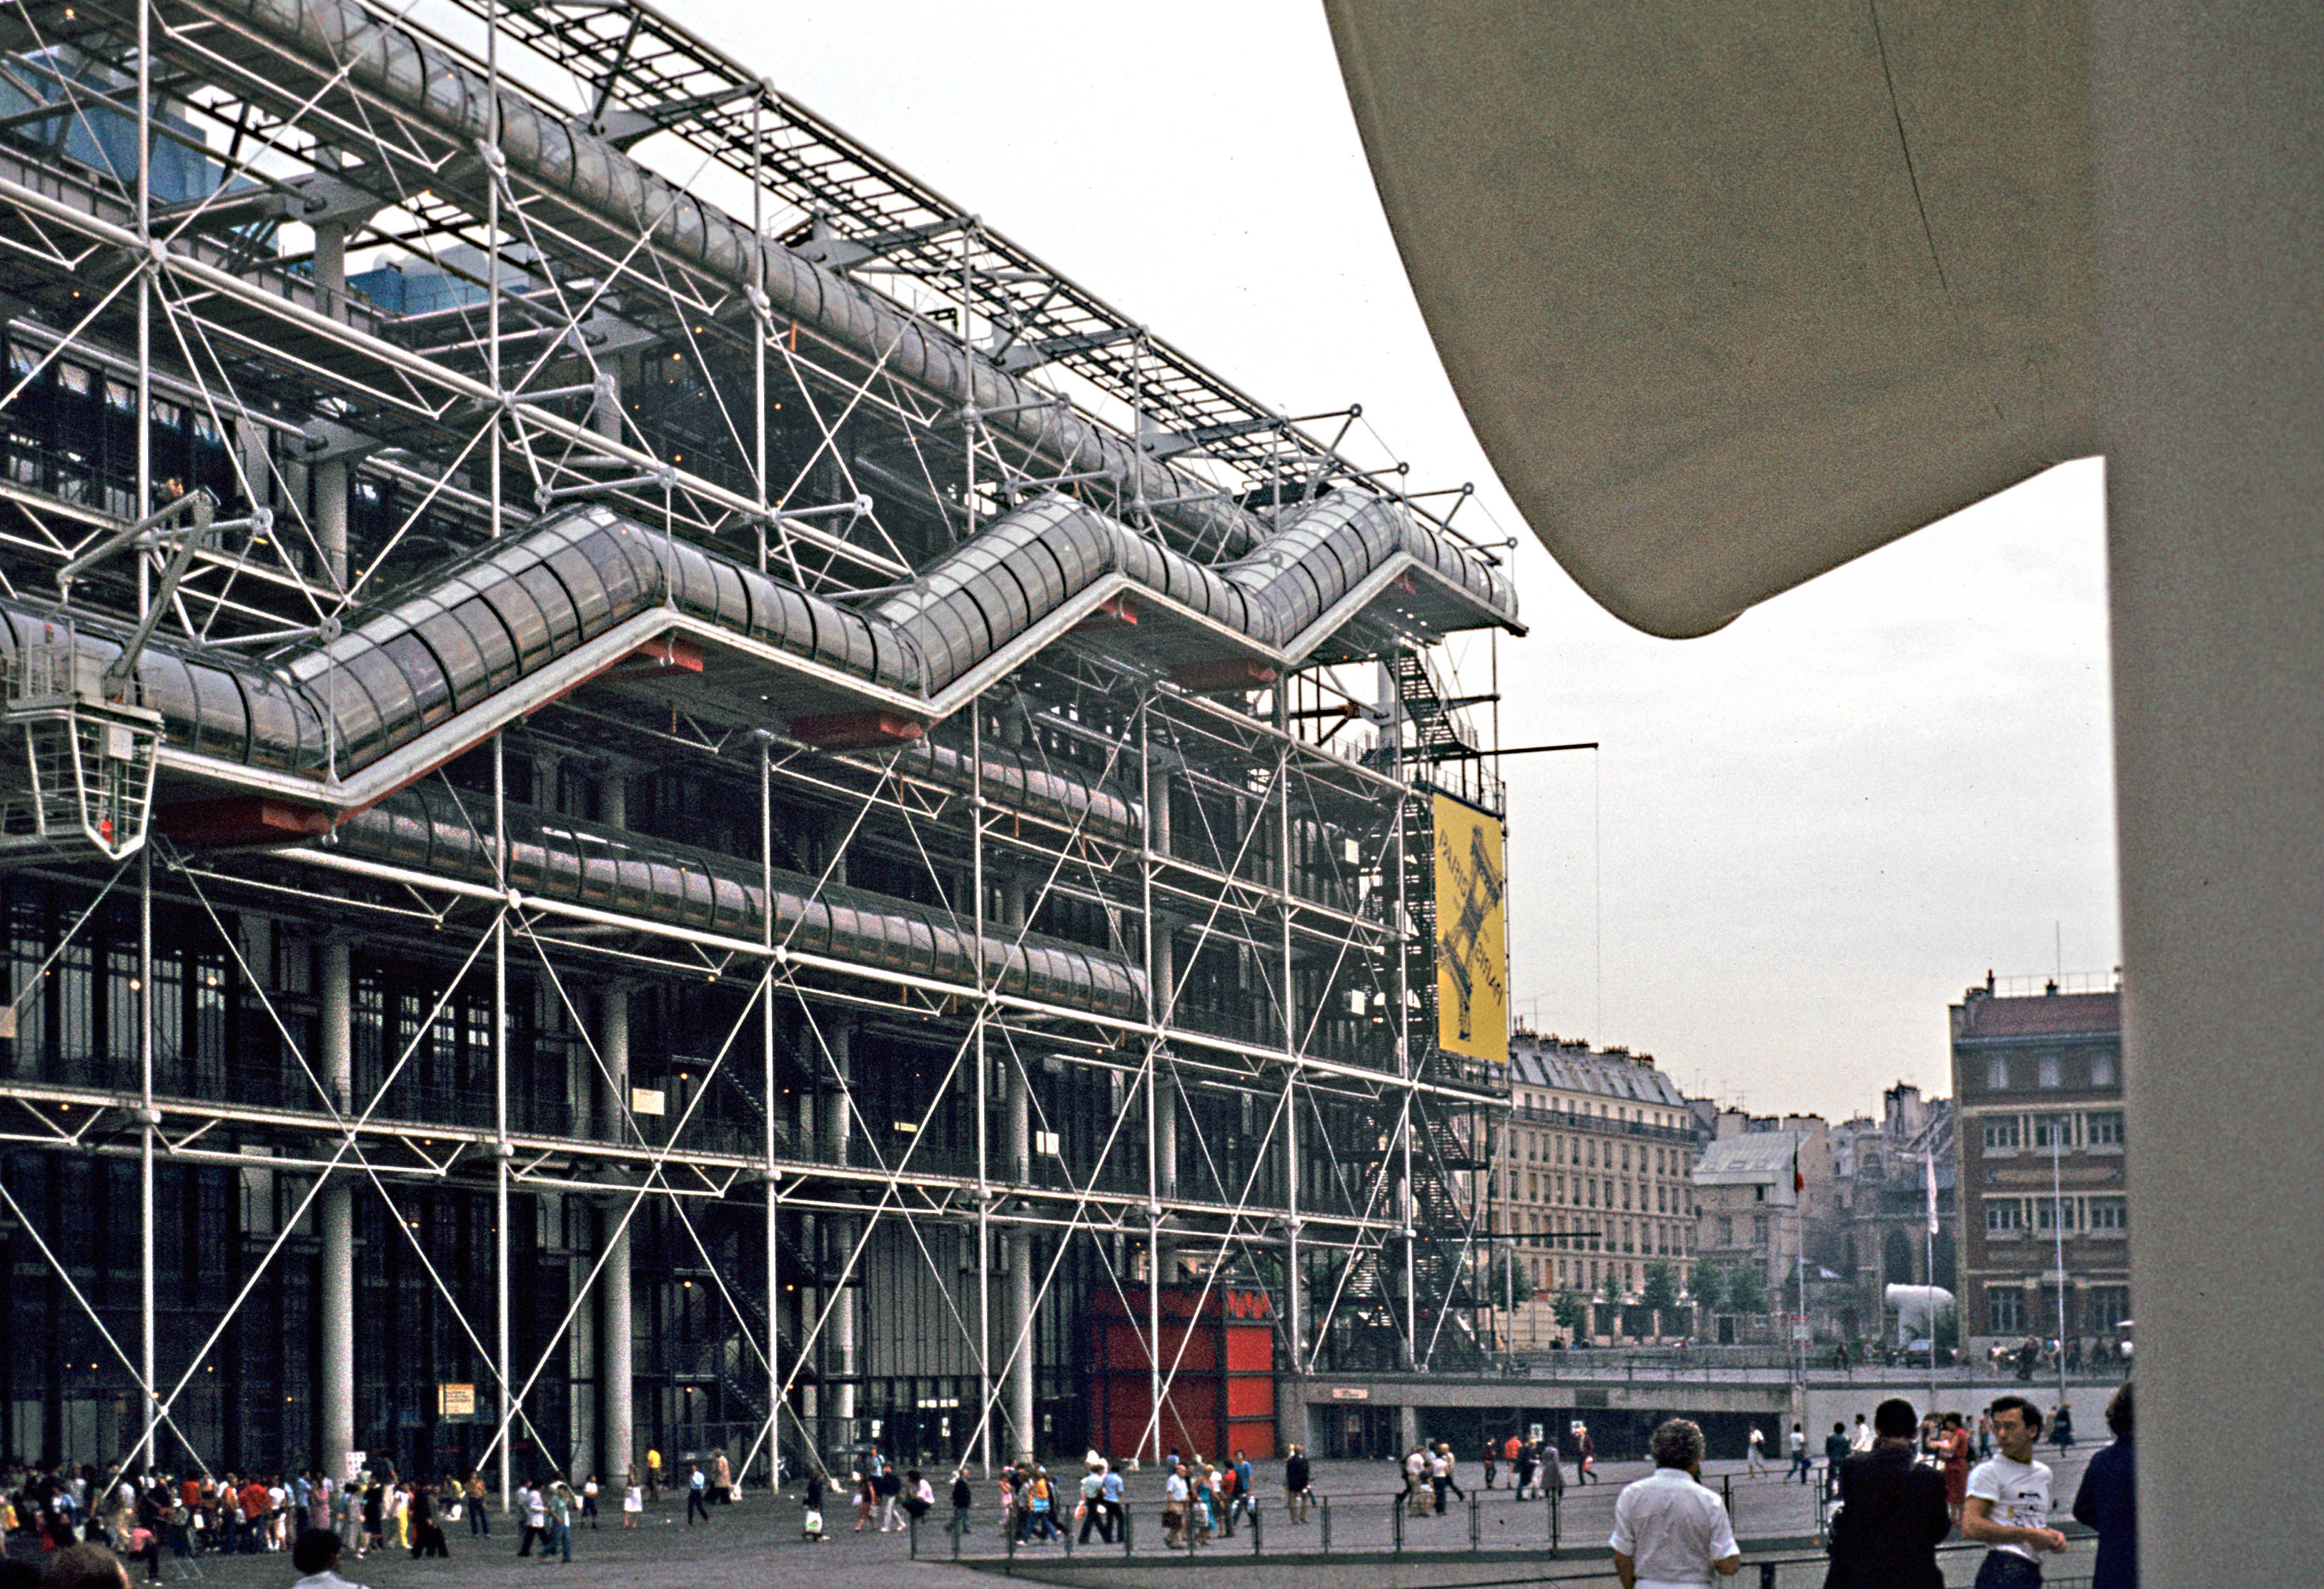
[(1799, 1181), (1929, 1160)]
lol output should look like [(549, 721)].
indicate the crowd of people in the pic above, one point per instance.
[(1905, 1485), (142, 1516)]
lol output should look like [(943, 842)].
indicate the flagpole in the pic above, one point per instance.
[(1929, 1245)]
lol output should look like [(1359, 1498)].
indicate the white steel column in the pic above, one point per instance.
[(617, 1390), (984, 1102), (844, 1232), (335, 1299), (766, 1057), (1292, 1303), (1017, 1107), (1158, 959), (328, 478), (148, 1117), (502, 1151)]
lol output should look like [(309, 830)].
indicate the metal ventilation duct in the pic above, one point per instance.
[(425, 81), (484, 630), (553, 857)]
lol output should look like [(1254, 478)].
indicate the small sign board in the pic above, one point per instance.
[(1351, 1393), (456, 1401), (646, 1101)]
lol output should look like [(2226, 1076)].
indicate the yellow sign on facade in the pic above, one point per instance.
[(1473, 951), (455, 1400)]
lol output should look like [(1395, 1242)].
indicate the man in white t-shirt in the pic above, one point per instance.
[(1669, 1531), (1758, 1454), (1175, 1494), (2009, 1502), (1861, 1438)]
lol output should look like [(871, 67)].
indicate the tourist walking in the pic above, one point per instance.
[(1835, 1452), (963, 1502), (721, 1480), (1668, 1529), (533, 1505), (1416, 1489), (561, 1517), (888, 1485), (589, 1501), (697, 1487), (2008, 1504), (1953, 1447), (1585, 1455), (1801, 1467), (1177, 1498), (426, 1533), (480, 1518), (633, 1499), (1296, 1478), (1092, 1504), (2108, 1500), (1891, 1512), (1521, 1466), (1859, 1438), (811, 1496), (1755, 1458)]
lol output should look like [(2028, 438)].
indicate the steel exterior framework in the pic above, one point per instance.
[(685, 1033)]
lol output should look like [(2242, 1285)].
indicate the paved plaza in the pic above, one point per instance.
[(755, 1542)]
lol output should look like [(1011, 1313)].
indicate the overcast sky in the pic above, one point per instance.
[(1805, 835)]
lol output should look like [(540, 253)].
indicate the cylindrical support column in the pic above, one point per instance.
[(1023, 1338), (2207, 133), (616, 1394), (1017, 1102), (840, 1358), (334, 1296), (329, 479)]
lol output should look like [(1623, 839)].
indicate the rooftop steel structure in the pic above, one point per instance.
[(649, 770)]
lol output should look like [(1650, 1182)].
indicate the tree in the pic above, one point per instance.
[(1747, 1289), (1570, 1310), (1661, 1291), (1709, 1284), (1613, 1291), (1509, 1279)]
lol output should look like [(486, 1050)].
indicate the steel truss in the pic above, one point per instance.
[(1134, 994)]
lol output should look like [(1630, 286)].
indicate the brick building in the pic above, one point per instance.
[(2037, 1083)]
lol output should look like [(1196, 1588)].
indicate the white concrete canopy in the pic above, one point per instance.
[(1735, 293)]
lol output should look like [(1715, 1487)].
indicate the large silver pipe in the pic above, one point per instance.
[(425, 81)]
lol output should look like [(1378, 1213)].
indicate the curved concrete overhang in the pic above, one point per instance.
[(1732, 294)]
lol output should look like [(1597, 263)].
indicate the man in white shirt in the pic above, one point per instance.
[(1669, 1531), (1176, 1493), (1861, 1441), (2007, 1506)]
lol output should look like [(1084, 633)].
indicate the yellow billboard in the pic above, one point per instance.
[(1472, 946)]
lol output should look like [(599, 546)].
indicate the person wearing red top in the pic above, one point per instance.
[(255, 1507)]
